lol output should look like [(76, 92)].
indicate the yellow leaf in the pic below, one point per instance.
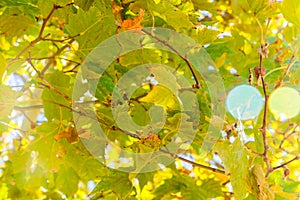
[(162, 96), (221, 60)]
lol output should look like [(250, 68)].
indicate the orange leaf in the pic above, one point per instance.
[(116, 9), (130, 24), (69, 133)]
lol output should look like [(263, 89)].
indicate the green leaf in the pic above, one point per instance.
[(291, 187), (14, 25), (236, 163), (170, 14), (49, 151), (84, 4), (67, 180), (212, 187), (122, 186), (94, 26), (253, 7), (143, 178), (188, 188), (27, 7), (56, 106)]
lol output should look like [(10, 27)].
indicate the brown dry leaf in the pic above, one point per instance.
[(152, 141), (69, 133)]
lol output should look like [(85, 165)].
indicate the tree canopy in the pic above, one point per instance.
[(149, 99)]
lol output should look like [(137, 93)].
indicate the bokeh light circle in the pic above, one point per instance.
[(244, 102), (284, 102)]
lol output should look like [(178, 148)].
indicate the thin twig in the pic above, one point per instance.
[(286, 163), (23, 108), (61, 40), (193, 163), (200, 165), (282, 165), (14, 128), (287, 136), (39, 37), (46, 83), (56, 54), (197, 85), (288, 68)]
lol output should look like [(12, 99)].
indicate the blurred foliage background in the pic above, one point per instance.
[(44, 43)]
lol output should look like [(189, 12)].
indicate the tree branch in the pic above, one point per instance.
[(264, 126)]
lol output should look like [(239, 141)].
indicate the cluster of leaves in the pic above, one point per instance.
[(42, 46)]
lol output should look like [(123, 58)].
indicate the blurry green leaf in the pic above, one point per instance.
[(291, 187), (162, 96), (294, 77), (54, 105), (36, 179), (291, 11), (8, 99)]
